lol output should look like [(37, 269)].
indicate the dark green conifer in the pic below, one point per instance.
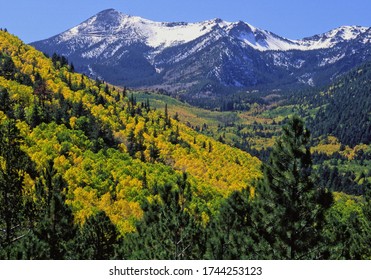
[(229, 233), (288, 207), (55, 228), (98, 239), (167, 230), (13, 167)]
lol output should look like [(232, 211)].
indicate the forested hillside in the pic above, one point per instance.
[(109, 151), (343, 108), (340, 121), (88, 172)]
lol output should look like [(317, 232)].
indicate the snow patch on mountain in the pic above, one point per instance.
[(307, 79), (333, 37), (331, 60), (96, 51)]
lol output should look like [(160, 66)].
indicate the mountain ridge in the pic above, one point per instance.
[(121, 20), (205, 59)]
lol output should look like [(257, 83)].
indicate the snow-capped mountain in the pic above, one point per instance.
[(206, 56)]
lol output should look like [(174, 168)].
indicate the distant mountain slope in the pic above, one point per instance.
[(205, 59), (346, 108)]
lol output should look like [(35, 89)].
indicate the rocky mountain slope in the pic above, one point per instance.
[(205, 59)]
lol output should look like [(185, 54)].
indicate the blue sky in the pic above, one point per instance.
[(33, 20)]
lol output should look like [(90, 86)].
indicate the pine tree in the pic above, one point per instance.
[(41, 90), (55, 228), (167, 230), (7, 67), (288, 212), (131, 146), (167, 118), (345, 237), (34, 116), (154, 152), (229, 233), (98, 238), (5, 102), (13, 166)]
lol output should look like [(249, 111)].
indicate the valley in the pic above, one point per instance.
[(124, 138)]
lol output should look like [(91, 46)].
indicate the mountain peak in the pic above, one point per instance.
[(107, 11), (217, 20), (108, 15)]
